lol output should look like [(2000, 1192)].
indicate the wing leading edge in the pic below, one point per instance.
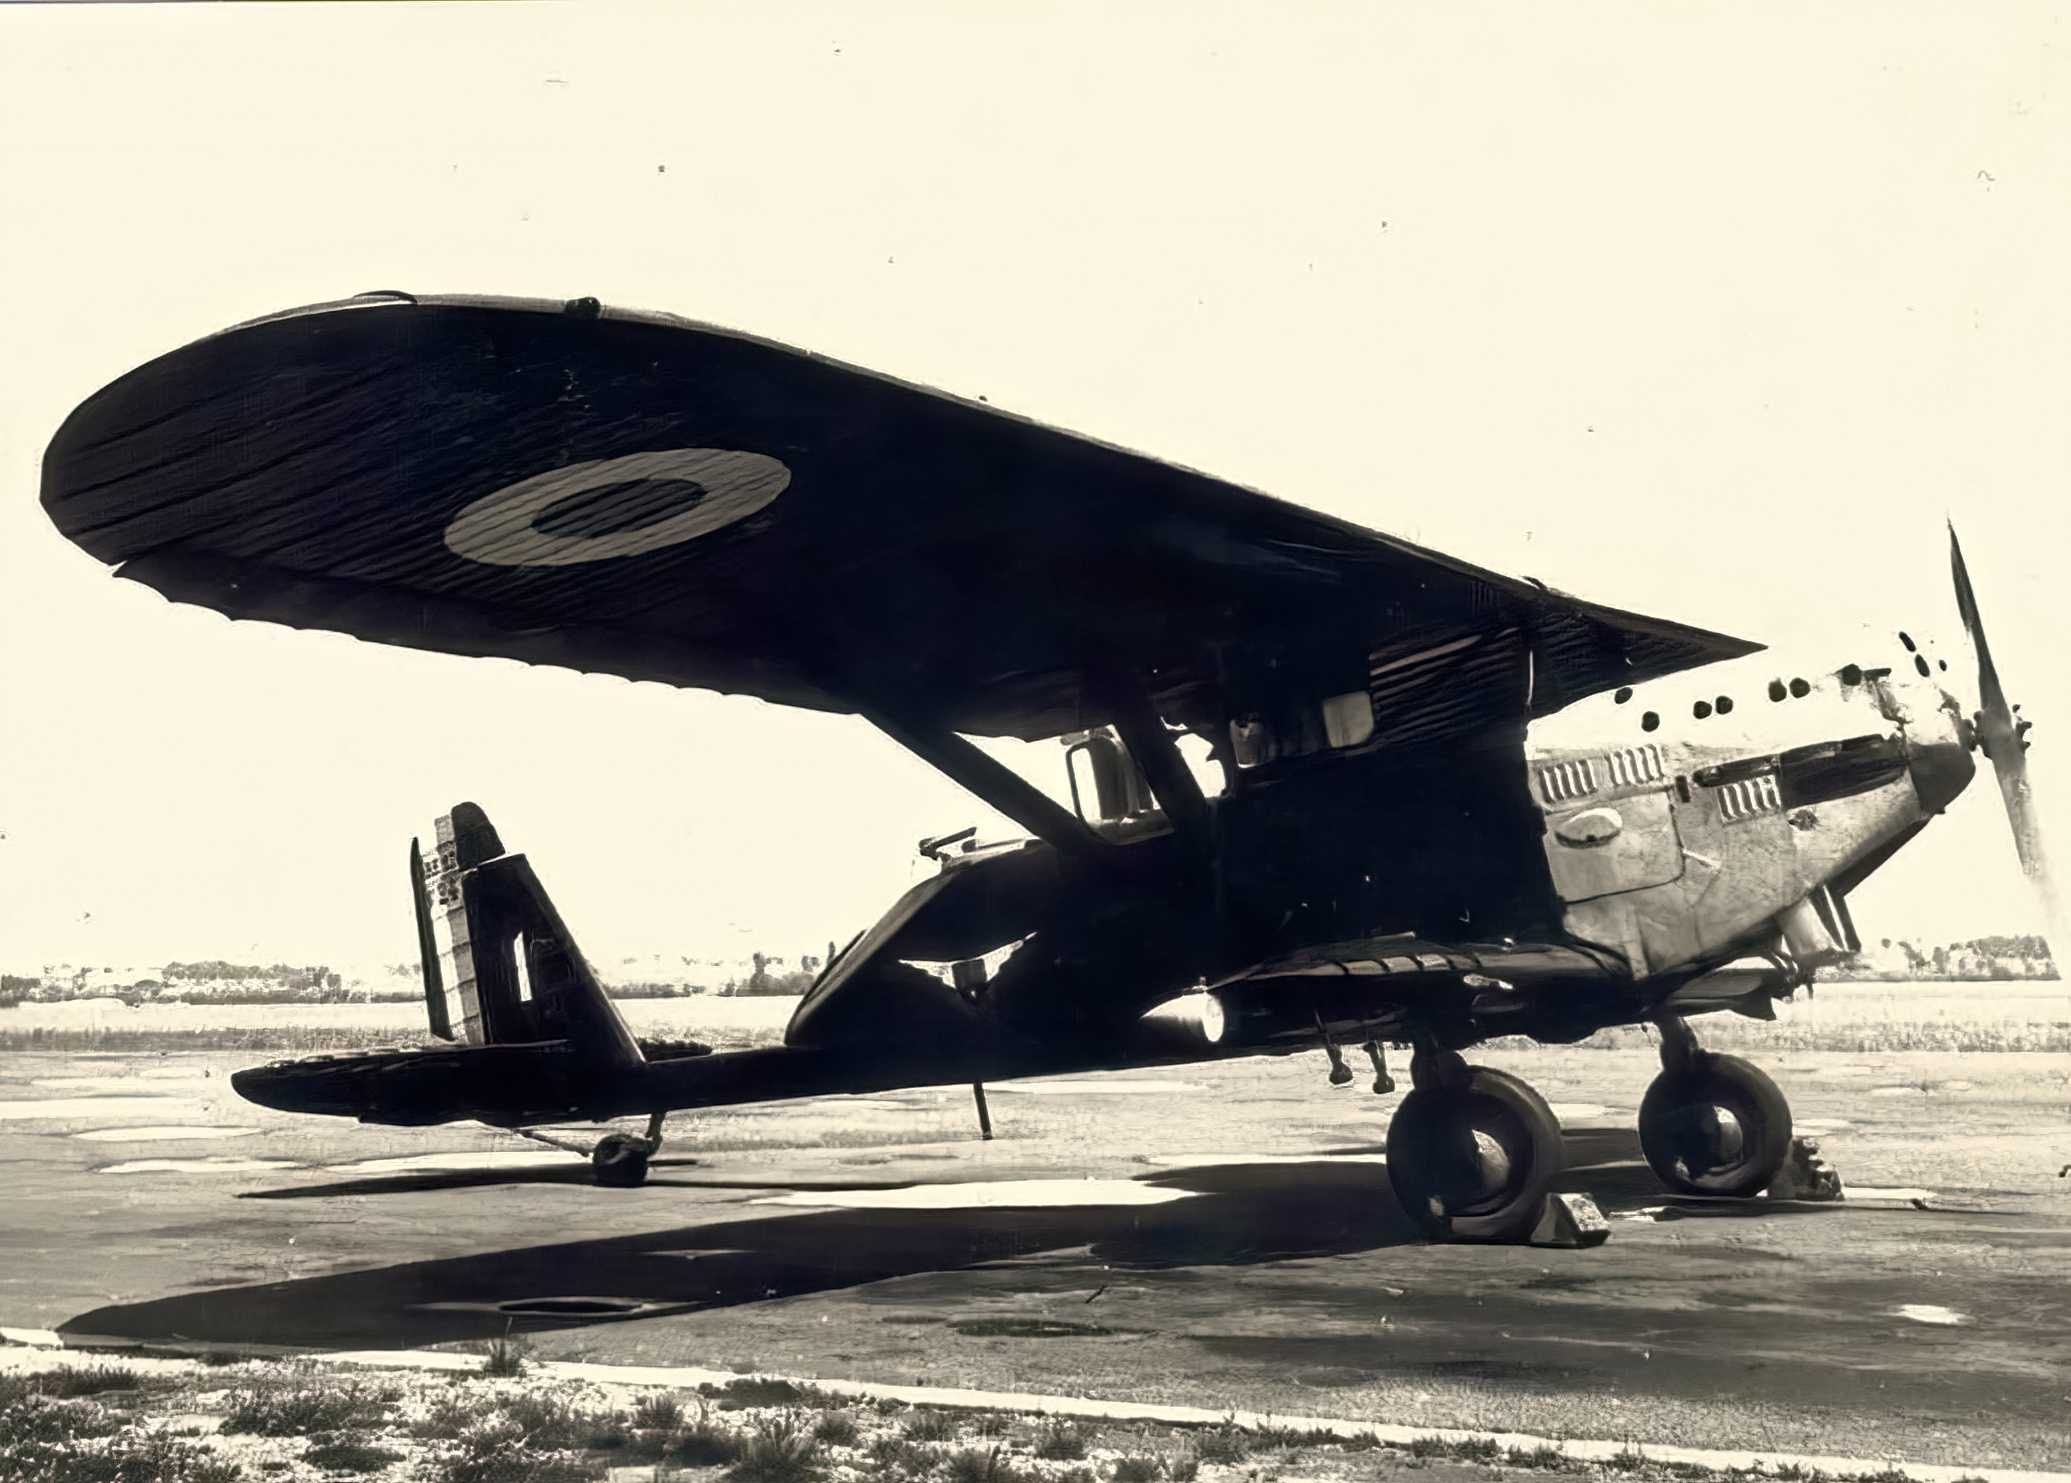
[(638, 495)]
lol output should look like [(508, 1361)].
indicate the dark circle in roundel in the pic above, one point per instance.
[(1920, 663), (1624, 694), (1725, 705), (609, 509), (1649, 721), (1799, 689), (1776, 690), (1701, 710)]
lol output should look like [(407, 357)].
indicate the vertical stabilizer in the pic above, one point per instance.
[(500, 965)]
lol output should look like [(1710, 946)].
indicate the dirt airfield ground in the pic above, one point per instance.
[(1217, 1236)]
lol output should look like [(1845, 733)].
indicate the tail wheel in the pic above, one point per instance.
[(1715, 1126), (619, 1161), (1475, 1159)]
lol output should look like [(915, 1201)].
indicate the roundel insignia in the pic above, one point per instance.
[(615, 507)]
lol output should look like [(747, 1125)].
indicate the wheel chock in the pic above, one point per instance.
[(1571, 1221), (1806, 1176)]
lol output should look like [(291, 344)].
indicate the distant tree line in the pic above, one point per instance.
[(215, 970), (219, 981), (1982, 959)]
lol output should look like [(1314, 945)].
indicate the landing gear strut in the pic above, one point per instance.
[(619, 1161), (1472, 1151), (1712, 1124)]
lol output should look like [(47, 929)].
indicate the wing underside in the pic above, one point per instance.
[(641, 496)]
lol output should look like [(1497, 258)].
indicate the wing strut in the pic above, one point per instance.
[(1178, 793), (999, 785)]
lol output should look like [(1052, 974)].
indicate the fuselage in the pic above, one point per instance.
[(1670, 848)]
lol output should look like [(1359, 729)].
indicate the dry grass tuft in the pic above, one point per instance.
[(1061, 1441), (780, 1449), (297, 1412), (930, 1426)]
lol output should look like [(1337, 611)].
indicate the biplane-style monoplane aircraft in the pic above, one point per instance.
[(1385, 859)]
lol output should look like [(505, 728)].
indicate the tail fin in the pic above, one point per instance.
[(494, 949)]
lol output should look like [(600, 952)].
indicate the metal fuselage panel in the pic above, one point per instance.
[(1679, 843)]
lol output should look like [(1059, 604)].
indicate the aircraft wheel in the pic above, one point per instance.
[(1476, 1159), (620, 1160), (1715, 1126)]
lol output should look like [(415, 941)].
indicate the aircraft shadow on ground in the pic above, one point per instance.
[(1238, 1214), (417, 1181)]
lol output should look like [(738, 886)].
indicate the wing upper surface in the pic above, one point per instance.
[(638, 495)]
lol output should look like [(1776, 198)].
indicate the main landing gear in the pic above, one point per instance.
[(1712, 1124), (1472, 1151)]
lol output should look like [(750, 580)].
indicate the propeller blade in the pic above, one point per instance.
[(2000, 736)]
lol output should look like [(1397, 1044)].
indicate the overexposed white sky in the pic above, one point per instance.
[(1710, 311)]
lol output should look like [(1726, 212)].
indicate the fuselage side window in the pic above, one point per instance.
[(1331, 724)]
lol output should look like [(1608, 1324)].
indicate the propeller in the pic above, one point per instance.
[(2002, 736)]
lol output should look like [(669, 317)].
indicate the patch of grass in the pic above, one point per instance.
[(350, 1455), (992, 1424), (1474, 1449), (302, 1039), (553, 1425), (837, 1429), (499, 1454), (35, 1420), (130, 1458), (657, 1413), (74, 1380), (505, 1359), (1542, 1457), (1184, 1468), (758, 1391), (781, 1449), (703, 1443), (303, 1410), (1061, 1441), (931, 1426), (1136, 1469), (450, 1415), (1225, 1444), (982, 1465), (1291, 1437), (900, 1458)]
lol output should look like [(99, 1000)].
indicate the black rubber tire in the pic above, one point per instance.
[(1693, 1150), (619, 1161), (1499, 1191)]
